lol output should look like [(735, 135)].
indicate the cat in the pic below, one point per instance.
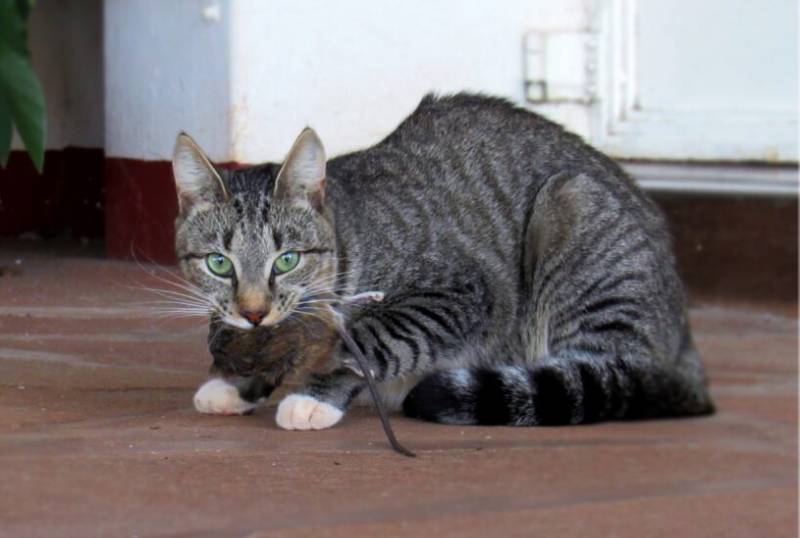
[(526, 279)]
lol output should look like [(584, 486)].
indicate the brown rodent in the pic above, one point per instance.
[(280, 355)]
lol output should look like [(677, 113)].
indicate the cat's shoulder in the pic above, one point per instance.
[(467, 111), (449, 102)]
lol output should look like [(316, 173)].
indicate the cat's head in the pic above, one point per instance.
[(255, 242)]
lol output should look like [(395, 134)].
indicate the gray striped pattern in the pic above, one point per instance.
[(522, 270)]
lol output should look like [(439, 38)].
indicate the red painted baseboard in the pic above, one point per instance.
[(66, 197), (141, 206)]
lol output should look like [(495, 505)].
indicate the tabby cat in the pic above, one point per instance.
[(525, 279)]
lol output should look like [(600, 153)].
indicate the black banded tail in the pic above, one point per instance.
[(550, 394)]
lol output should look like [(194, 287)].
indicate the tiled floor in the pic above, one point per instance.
[(98, 437)]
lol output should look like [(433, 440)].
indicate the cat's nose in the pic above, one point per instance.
[(254, 316)]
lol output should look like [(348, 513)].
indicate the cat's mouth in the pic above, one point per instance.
[(248, 321)]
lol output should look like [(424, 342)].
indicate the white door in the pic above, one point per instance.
[(679, 81), (697, 80)]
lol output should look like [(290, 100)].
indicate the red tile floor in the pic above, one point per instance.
[(98, 437)]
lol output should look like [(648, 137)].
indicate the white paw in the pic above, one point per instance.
[(299, 412), (218, 397)]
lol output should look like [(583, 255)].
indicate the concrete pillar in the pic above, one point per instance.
[(167, 69)]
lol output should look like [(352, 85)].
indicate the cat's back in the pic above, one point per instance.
[(470, 142), (466, 183)]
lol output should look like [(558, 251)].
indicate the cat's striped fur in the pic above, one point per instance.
[(527, 280)]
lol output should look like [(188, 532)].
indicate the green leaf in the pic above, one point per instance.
[(13, 32), (20, 90), (21, 96), (24, 7), (5, 133)]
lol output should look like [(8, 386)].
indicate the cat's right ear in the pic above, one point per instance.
[(196, 179)]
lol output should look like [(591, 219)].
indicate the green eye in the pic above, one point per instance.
[(286, 262), (219, 265)]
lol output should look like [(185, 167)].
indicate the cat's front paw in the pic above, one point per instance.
[(301, 412), (218, 397)]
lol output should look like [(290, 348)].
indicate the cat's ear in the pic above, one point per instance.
[(302, 176), (196, 179)]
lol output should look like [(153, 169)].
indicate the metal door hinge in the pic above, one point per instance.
[(560, 67)]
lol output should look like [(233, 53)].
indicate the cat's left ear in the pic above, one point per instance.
[(302, 176)]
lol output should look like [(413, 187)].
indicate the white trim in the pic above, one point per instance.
[(750, 180)]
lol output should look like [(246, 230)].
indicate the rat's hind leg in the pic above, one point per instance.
[(231, 396)]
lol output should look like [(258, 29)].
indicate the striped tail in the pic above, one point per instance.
[(571, 393)]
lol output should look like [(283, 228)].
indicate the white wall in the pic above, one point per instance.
[(354, 69), (245, 76), (245, 82)]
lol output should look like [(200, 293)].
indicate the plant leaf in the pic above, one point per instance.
[(20, 90), (13, 32), (5, 132), (24, 7)]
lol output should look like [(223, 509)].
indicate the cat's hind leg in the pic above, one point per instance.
[(606, 332), (231, 396)]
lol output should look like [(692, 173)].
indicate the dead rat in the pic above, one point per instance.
[(286, 353)]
